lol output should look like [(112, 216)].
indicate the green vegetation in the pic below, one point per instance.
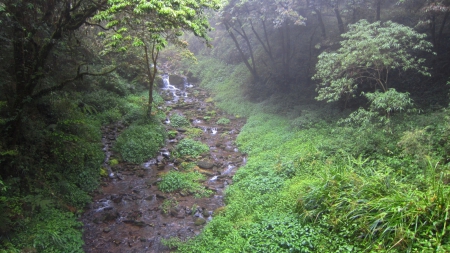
[(139, 143), (185, 182), (223, 121), (178, 120), (353, 175), (326, 187), (189, 147), (194, 132)]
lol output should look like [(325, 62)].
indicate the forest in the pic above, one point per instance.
[(224, 126)]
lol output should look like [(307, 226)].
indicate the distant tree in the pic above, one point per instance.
[(368, 54), (253, 20)]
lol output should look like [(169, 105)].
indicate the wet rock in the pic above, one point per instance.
[(159, 158), (178, 161), (208, 173), (206, 213), (159, 196), (176, 80), (116, 198), (199, 221), (161, 166), (166, 154), (205, 164), (135, 223)]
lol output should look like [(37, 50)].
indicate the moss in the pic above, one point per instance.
[(113, 162)]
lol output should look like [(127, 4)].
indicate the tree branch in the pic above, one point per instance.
[(79, 75), (90, 24)]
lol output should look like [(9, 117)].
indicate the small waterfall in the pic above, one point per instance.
[(170, 88), (186, 84)]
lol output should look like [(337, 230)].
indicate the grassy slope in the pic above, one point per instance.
[(327, 188)]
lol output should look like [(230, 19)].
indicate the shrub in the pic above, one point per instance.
[(186, 182), (140, 142), (194, 132), (223, 121), (102, 100), (178, 120), (189, 147), (109, 116), (52, 231)]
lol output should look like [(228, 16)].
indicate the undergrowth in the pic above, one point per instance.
[(185, 182), (312, 185), (138, 143)]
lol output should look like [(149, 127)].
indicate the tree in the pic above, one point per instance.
[(249, 20), (151, 23), (32, 30), (369, 53)]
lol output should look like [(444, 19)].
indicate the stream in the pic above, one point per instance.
[(129, 213)]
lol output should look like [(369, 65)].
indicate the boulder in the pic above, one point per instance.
[(205, 164)]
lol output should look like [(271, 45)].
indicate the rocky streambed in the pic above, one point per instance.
[(130, 214)]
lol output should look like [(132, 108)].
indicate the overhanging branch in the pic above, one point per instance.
[(79, 75)]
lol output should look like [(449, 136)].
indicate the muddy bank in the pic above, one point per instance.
[(130, 214)]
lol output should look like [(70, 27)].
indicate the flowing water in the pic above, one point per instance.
[(130, 214)]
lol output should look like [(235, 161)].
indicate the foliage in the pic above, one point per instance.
[(178, 120), (223, 121), (382, 106), (355, 188), (150, 25), (186, 182), (194, 132), (189, 147), (168, 204), (369, 53), (140, 142), (51, 231)]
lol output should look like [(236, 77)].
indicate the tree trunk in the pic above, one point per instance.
[(378, 18), (250, 48), (321, 24), (441, 31), (150, 76), (339, 20), (244, 58)]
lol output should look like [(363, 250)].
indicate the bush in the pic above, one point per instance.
[(178, 120), (102, 100), (189, 147), (223, 121), (140, 142), (186, 182), (51, 231), (109, 116)]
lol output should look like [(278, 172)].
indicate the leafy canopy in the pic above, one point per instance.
[(368, 53), (158, 17)]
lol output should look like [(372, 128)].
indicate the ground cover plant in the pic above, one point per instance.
[(185, 182), (140, 142), (189, 147), (314, 189)]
